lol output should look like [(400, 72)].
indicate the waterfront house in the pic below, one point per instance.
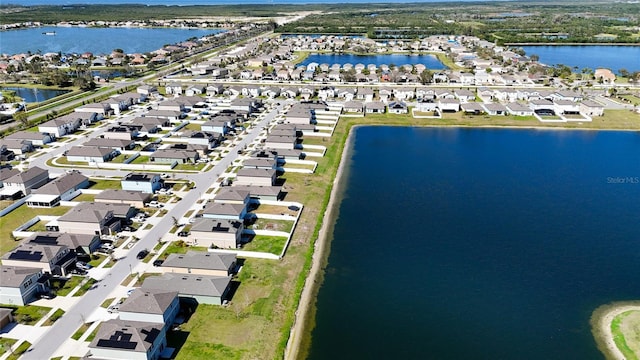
[(495, 109), (258, 193), (518, 109), (464, 95), (20, 285), (227, 211), (353, 107), (591, 108), (374, 107), (219, 233), (147, 183), (397, 107), (472, 108), (566, 107), (134, 340), (232, 195), (200, 263), (448, 104), (281, 142), (604, 76), (259, 177), (212, 290)]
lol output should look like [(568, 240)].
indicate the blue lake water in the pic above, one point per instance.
[(430, 61), (591, 56), (479, 244), (35, 95), (82, 39)]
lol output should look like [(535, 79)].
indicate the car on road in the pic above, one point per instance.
[(142, 254)]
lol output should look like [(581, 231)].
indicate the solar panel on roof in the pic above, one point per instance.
[(26, 255)]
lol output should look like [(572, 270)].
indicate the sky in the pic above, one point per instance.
[(204, 2)]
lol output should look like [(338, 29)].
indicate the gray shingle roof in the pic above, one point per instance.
[(149, 301), (136, 336), (224, 209), (62, 184), (187, 284), (13, 276), (201, 260)]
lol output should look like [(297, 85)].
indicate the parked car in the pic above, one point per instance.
[(154, 204), (113, 308), (142, 254), (158, 262), (183, 233), (83, 266), (46, 295)]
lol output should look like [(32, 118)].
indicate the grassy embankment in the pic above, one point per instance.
[(625, 328)]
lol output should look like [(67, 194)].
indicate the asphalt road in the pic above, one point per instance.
[(62, 329)]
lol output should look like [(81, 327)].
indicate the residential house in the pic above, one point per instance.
[(127, 132), (195, 90), (591, 108), (150, 305), (518, 109), (52, 259), (353, 107), (173, 89), (61, 126), (91, 218), (90, 154), (6, 173), (258, 193), (227, 211), (200, 263), (397, 107), (232, 195), (63, 188), (136, 199), (566, 107), (101, 110), (147, 183), (79, 243), (16, 147), (209, 139), (20, 285), (464, 95), (604, 76), (259, 177), (36, 138), (113, 144), (448, 104), (281, 142), (472, 108), (219, 233), (172, 155), (22, 183), (133, 340), (374, 107), (212, 290), (260, 163), (495, 109)]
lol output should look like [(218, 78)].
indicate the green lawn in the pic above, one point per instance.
[(83, 328), (194, 167), (28, 314), (273, 225), (5, 344), (19, 351), (269, 244), (85, 197), (141, 160), (101, 184), (54, 317), (63, 287), (19, 216), (84, 288), (179, 247)]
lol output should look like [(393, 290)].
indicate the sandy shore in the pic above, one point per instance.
[(319, 253), (601, 323)]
